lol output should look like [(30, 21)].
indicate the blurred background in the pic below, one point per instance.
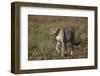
[(41, 45)]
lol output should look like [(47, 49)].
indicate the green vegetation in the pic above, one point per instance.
[(41, 45)]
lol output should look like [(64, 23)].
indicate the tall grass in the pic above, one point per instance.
[(41, 45)]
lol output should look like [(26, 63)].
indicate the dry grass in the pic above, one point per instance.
[(41, 45)]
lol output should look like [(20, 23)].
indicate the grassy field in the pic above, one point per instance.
[(41, 45)]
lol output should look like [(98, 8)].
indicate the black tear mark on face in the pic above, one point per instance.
[(57, 32)]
